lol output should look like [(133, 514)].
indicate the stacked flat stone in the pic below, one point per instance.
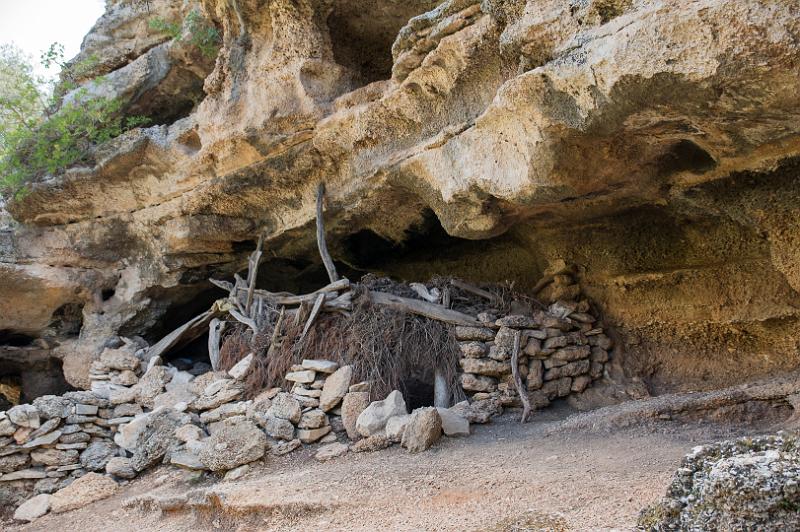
[(116, 369), (44, 446), (318, 386), (562, 350)]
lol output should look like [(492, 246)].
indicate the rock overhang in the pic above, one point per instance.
[(509, 120)]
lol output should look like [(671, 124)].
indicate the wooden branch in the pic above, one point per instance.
[(431, 296), (300, 315), (423, 308), (314, 311), (225, 285), (184, 334), (215, 330), (276, 332), (244, 319), (323, 247), (472, 289), (343, 302), (252, 273), (284, 298), (521, 390), (446, 296)]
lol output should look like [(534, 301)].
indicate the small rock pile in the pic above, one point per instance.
[(745, 484), (561, 352), (379, 424)]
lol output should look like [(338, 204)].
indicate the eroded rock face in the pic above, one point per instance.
[(653, 144)]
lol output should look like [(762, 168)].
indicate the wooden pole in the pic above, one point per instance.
[(441, 391), (323, 247)]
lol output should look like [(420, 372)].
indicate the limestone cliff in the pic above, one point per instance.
[(653, 144)]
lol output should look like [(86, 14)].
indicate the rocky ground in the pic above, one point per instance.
[(506, 476)]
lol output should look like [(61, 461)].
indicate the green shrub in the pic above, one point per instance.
[(201, 34), (39, 134)]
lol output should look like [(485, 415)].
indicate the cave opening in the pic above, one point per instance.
[(362, 34), (686, 156), (428, 251), (67, 319), (15, 339), (170, 309), (418, 388), (368, 251), (26, 374)]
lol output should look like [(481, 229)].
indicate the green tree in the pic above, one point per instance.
[(42, 132), (22, 94)]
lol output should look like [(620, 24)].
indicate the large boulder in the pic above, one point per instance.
[(480, 411), (352, 405), (746, 484), (424, 428), (335, 388), (218, 393), (25, 416), (373, 419), (453, 424), (151, 385), (150, 436), (234, 442), (278, 428), (53, 406), (396, 426), (82, 491)]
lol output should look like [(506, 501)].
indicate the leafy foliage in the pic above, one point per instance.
[(21, 98), (173, 29), (200, 33), (43, 132)]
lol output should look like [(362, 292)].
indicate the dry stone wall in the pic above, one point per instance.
[(562, 350)]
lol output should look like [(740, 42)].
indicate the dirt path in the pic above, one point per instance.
[(501, 475)]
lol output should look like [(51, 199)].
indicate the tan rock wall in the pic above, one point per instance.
[(649, 143)]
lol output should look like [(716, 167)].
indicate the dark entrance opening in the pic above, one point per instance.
[(27, 373), (362, 34), (418, 388)]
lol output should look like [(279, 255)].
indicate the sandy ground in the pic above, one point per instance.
[(504, 477)]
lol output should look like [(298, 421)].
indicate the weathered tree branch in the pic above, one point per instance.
[(431, 296), (323, 247), (314, 311), (252, 273), (423, 308), (521, 390), (184, 334), (284, 298), (238, 316), (474, 290), (215, 330), (276, 332)]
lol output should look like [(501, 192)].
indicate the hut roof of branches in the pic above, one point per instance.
[(386, 330), (386, 344)]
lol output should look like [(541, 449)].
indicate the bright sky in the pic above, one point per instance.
[(34, 25)]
